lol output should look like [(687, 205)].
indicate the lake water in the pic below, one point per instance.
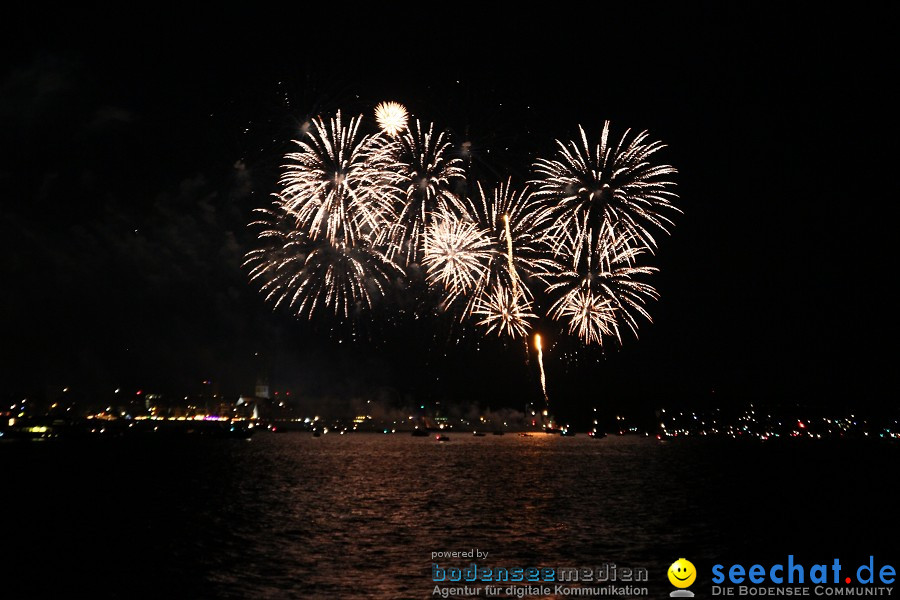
[(359, 516)]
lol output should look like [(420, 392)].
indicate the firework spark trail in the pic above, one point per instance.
[(515, 290), (500, 299), (509, 255), (540, 355), (505, 309)]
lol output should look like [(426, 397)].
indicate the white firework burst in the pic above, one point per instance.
[(591, 316), (309, 275), (456, 254), (353, 211), (616, 182), (426, 174), (339, 185), (516, 228), (600, 290), (517, 253), (504, 311)]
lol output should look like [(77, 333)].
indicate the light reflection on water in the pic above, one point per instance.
[(289, 515)]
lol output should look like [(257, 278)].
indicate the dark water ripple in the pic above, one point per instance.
[(292, 516)]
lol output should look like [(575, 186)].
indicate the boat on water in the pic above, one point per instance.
[(477, 434), (442, 438), (288, 426)]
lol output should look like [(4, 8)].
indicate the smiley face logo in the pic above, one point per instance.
[(682, 573)]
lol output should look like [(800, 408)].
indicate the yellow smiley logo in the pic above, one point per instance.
[(682, 573)]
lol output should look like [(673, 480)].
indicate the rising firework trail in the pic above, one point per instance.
[(501, 298), (540, 355), (504, 309), (514, 276), (509, 256)]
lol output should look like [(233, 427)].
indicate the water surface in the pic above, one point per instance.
[(358, 516)]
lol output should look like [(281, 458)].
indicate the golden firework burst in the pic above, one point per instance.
[(391, 117)]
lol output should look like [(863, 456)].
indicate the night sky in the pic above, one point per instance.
[(136, 146)]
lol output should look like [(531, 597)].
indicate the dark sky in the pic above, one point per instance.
[(136, 146)]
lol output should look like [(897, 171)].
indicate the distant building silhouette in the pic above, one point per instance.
[(262, 388)]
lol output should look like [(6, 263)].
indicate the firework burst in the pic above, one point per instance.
[(309, 275), (456, 254), (516, 229), (501, 298), (356, 212), (339, 186), (391, 117), (599, 289), (503, 311), (425, 174), (612, 182)]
